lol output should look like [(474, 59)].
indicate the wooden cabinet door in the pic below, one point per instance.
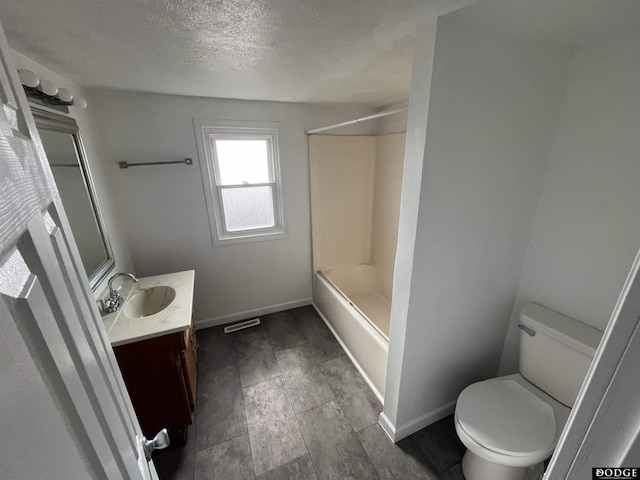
[(154, 373), (189, 359)]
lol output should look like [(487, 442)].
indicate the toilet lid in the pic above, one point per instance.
[(503, 416)]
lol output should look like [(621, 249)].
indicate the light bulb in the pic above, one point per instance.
[(28, 78), (65, 95), (48, 87), (80, 103)]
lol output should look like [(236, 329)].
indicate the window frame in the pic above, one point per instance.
[(207, 132)]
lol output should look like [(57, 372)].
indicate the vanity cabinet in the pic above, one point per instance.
[(160, 375)]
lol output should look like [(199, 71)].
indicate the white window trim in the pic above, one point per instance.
[(213, 192)]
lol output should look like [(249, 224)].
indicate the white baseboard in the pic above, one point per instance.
[(373, 388), (212, 322), (412, 426), (387, 426), (422, 421)]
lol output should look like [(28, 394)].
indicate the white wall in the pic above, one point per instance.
[(96, 158), (417, 116), (492, 114), (587, 228), (164, 212)]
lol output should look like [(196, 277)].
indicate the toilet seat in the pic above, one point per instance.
[(508, 420)]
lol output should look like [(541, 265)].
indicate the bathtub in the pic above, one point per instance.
[(354, 302)]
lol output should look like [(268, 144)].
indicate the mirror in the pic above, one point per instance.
[(63, 146)]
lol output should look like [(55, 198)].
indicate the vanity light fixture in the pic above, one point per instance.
[(46, 92)]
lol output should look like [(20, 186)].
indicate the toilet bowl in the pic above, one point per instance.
[(509, 427), (511, 424)]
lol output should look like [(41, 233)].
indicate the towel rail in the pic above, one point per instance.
[(186, 161)]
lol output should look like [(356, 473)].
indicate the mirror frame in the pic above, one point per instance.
[(60, 123)]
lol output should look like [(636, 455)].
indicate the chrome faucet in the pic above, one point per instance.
[(115, 300)]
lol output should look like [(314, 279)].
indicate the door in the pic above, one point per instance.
[(603, 430), (64, 410)]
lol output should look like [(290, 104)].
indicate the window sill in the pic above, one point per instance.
[(248, 238)]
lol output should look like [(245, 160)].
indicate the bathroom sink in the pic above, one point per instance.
[(153, 307), (149, 301)]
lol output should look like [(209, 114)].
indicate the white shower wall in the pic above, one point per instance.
[(356, 182), (342, 177), (386, 205)]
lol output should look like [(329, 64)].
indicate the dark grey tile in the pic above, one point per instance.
[(395, 461), (454, 473), (440, 444), (215, 349), (220, 412), (303, 378), (356, 399), (273, 430), (299, 469), (282, 330), (177, 463), (173, 465), (226, 448), (317, 334), (220, 375), (230, 459), (255, 356), (334, 447)]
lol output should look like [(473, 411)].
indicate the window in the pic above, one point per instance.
[(240, 167)]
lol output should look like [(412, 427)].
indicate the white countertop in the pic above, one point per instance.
[(176, 317)]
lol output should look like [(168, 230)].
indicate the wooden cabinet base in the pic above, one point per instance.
[(160, 376)]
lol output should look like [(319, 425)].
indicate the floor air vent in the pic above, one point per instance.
[(240, 325)]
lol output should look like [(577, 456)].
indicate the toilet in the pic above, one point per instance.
[(511, 425)]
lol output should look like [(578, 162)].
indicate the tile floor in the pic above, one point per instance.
[(282, 401)]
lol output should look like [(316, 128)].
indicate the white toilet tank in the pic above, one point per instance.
[(555, 351)]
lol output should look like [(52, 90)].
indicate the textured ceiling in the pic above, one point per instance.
[(286, 50), (289, 50)]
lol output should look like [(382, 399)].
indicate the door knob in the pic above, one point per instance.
[(160, 441)]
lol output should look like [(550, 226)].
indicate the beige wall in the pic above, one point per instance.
[(386, 204), (342, 176)]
